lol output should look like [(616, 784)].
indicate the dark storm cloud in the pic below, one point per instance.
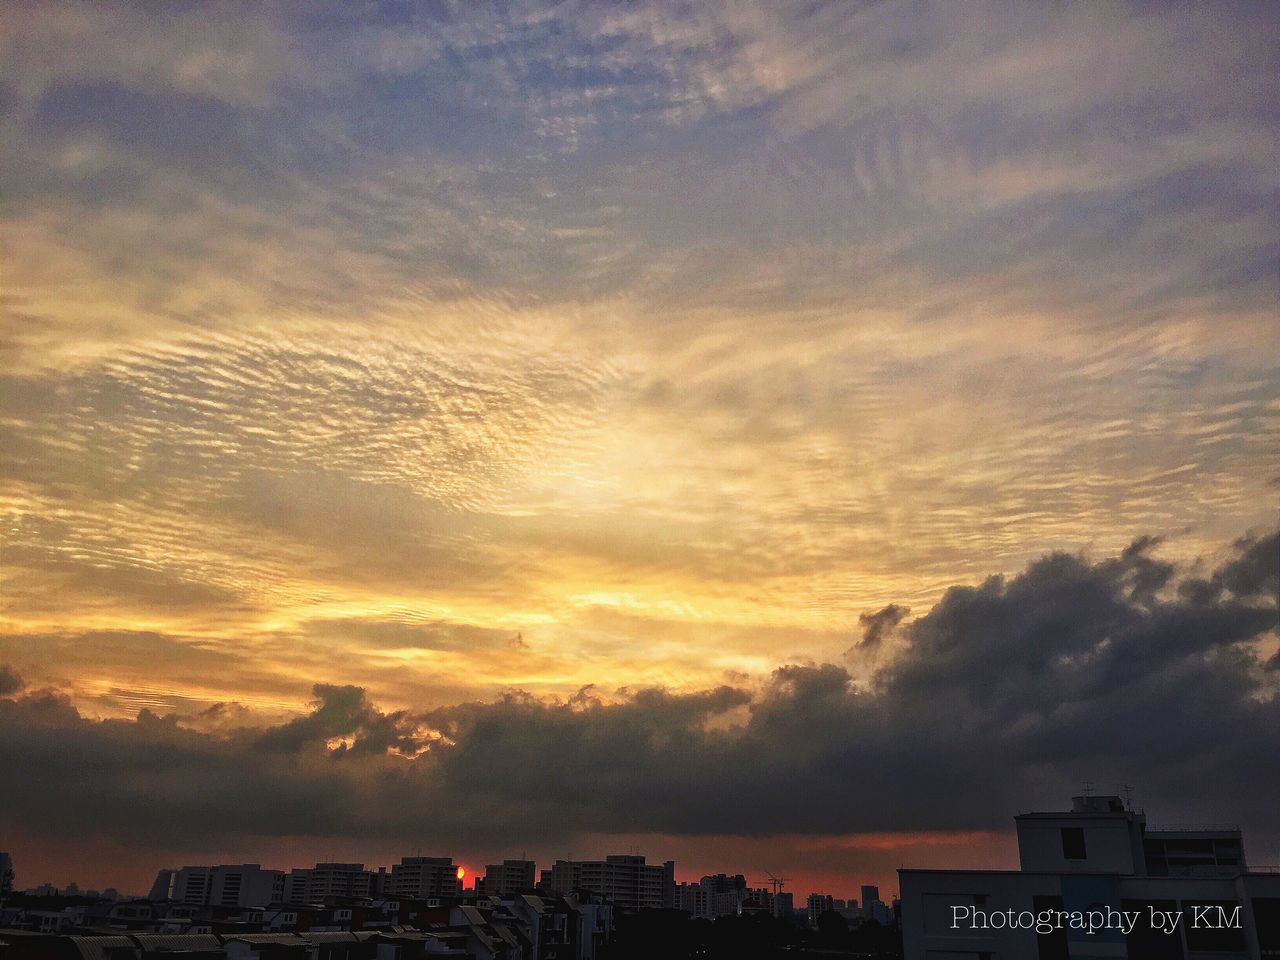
[(876, 626), (10, 681), (1253, 573), (344, 714), (1004, 694), (1256, 572)]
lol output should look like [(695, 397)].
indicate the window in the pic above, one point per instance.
[(1211, 925), (1266, 914), (1052, 945), (1073, 843), (1148, 941)]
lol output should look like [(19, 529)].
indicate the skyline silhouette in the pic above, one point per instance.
[(777, 437)]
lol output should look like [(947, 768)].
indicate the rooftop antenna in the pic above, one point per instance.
[(1127, 792), (777, 882), (1088, 787)]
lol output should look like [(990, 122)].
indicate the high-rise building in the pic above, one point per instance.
[(508, 878), (714, 896), (226, 885), (783, 904), (624, 879), (818, 904), (6, 874), (423, 878), (341, 881), (870, 894)]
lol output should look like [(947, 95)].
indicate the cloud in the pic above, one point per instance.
[(1002, 695), (876, 626), (1256, 572), (10, 681), (344, 720)]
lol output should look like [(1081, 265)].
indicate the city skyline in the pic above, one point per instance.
[(773, 436)]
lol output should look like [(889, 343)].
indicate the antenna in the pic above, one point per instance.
[(1127, 793), (1088, 787), (777, 882)]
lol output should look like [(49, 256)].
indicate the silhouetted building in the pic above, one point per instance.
[(718, 895), (423, 878), (873, 908), (818, 904), (6, 874), (162, 886), (870, 894), (625, 880), (783, 904), (328, 881), (508, 878)]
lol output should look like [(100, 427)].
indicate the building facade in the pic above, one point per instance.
[(1094, 882), (224, 885), (625, 880), (329, 881), (423, 878), (508, 878)]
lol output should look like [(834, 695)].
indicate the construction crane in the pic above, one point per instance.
[(777, 882)]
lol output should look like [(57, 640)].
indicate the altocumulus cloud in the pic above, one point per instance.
[(1002, 694)]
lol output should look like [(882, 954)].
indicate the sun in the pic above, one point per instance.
[(462, 872)]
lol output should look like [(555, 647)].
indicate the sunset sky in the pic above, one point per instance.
[(570, 427)]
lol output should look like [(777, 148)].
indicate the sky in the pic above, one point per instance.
[(777, 436)]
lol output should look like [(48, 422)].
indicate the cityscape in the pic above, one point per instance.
[(1093, 880), (421, 906)]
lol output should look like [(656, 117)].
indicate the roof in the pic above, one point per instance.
[(406, 935), (504, 931), (1079, 815), (103, 947), (330, 936), (178, 941)]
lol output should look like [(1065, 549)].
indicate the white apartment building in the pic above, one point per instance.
[(1096, 882), (224, 885)]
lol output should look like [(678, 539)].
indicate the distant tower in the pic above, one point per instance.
[(870, 897), (6, 874)]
